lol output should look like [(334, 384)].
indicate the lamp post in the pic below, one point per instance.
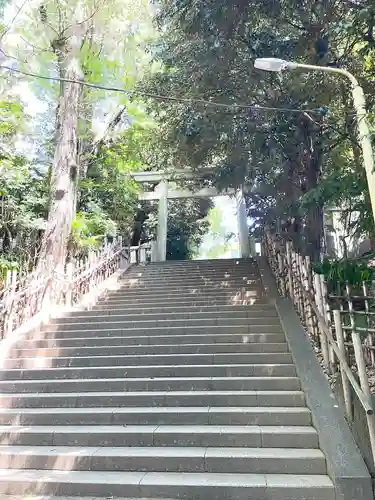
[(359, 101)]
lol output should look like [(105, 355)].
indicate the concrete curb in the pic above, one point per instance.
[(345, 464)]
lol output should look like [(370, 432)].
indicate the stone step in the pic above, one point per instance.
[(142, 283), (170, 338), (177, 384), (163, 435), (285, 368), (168, 292), (165, 459), (63, 356), (162, 415), (187, 287), (189, 279), (251, 289), (199, 263), (225, 276), (121, 330), (178, 308), (214, 270), (160, 320), (167, 485), (21, 368), (134, 317), (187, 271), (199, 359), (182, 399), (118, 320), (217, 267), (95, 383), (187, 300)]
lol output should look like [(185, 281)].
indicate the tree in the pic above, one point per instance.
[(207, 51), (218, 240), (75, 38)]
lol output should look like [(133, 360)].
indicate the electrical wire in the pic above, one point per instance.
[(205, 102)]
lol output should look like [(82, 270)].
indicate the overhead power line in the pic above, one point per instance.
[(187, 100)]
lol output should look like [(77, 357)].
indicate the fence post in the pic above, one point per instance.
[(142, 254), (369, 336), (290, 273), (327, 315), (280, 261), (69, 288), (11, 283), (361, 365), (133, 255), (154, 251), (344, 378), (322, 335), (302, 285), (308, 286)]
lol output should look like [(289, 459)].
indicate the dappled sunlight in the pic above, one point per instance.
[(10, 434), (44, 481), (132, 283), (38, 405), (34, 358)]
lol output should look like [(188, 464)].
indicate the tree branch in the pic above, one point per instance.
[(12, 21)]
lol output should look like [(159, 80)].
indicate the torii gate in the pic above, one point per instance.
[(163, 194)]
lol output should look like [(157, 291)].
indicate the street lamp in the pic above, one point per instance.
[(359, 101)]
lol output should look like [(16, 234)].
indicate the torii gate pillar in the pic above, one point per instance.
[(161, 238), (243, 229)]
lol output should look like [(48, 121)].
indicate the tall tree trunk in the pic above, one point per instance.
[(64, 169)]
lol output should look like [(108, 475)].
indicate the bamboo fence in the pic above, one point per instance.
[(23, 296), (342, 326)]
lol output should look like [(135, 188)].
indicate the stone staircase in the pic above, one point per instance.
[(178, 385)]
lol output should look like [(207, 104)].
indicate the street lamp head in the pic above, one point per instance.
[(273, 64)]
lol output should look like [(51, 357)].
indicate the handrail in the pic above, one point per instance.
[(24, 297), (325, 325)]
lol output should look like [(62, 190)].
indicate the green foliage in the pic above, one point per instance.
[(187, 224), (295, 163), (339, 273), (218, 240), (89, 230), (6, 265)]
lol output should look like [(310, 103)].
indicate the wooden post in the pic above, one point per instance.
[(69, 289), (133, 255), (154, 251), (280, 261), (322, 335), (11, 283), (301, 279), (142, 254), (290, 273), (327, 315), (361, 366), (308, 288), (369, 336), (344, 378)]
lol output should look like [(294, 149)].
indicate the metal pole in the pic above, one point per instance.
[(243, 229), (162, 221), (364, 136)]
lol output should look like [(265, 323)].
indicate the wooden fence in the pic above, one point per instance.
[(24, 296), (341, 326)]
